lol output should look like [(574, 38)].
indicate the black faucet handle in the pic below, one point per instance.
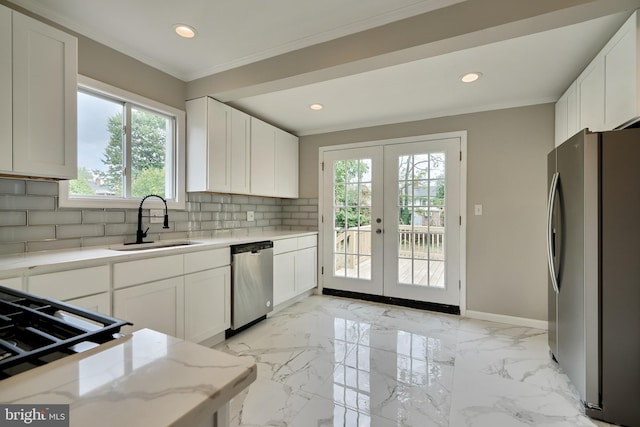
[(144, 233)]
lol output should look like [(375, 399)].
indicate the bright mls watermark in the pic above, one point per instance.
[(34, 415)]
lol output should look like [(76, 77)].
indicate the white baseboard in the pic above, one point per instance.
[(512, 320)]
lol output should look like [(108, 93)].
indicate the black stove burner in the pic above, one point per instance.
[(35, 330)]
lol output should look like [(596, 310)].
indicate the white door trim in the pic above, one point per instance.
[(463, 198)]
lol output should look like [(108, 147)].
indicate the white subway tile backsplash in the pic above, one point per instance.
[(120, 229), (79, 230), (102, 216), (106, 241), (12, 248), (30, 220), (51, 245), (53, 218), (12, 186), (24, 234), (27, 203), (13, 218), (42, 188)]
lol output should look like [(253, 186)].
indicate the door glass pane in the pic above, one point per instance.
[(352, 202), (421, 205)]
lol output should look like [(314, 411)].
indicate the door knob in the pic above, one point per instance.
[(378, 231)]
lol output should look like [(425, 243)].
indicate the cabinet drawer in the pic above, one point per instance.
[(66, 285), (307, 242), (147, 270), (205, 260), (285, 245)]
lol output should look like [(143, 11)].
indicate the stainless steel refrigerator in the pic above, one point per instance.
[(593, 245)]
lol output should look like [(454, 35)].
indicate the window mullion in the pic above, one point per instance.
[(127, 166)]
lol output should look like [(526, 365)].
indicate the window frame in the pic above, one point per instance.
[(178, 201)]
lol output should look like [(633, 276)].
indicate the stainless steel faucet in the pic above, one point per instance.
[(140, 235)]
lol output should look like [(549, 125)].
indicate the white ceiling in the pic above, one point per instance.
[(521, 71)]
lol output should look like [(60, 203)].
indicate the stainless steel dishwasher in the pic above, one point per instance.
[(252, 284)]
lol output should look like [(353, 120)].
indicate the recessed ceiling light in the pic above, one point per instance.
[(184, 31), (316, 106), (471, 77)]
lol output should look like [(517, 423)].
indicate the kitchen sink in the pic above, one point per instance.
[(152, 245)]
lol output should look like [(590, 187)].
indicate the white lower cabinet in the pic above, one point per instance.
[(12, 282), (306, 264), (284, 277), (100, 303), (294, 267), (207, 301), (157, 305), (86, 288)]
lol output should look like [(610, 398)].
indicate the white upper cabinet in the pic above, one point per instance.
[(274, 161), (567, 115), (6, 108), (218, 147), (263, 156), (208, 140), (591, 96), (286, 164), (240, 152), (621, 76), (229, 151), (606, 95), (44, 83)]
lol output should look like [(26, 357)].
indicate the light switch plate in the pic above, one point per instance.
[(250, 216), (156, 216), (477, 209)]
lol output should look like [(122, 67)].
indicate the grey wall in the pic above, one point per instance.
[(506, 173)]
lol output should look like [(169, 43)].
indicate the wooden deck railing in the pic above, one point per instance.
[(428, 241)]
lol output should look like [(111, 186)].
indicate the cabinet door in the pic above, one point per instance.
[(286, 164), (621, 80), (218, 154), (240, 148), (98, 303), (591, 96), (147, 270), (573, 122), (70, 284), (561, 120), (305, 269), (262, 158), (208, 145), (207, 299), (44, 99), (284, 277), (158, 306), (13, 283), (6, 135)]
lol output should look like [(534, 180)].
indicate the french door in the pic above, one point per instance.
[(391, 220)]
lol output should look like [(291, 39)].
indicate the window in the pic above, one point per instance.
[(128, 147)]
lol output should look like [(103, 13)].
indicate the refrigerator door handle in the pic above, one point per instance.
[(553, 189)]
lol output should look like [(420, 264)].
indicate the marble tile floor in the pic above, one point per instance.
[(328, 361)]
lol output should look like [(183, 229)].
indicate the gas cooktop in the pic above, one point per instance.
[(35, 331)]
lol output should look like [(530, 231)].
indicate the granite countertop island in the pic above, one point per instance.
[(143, 379)]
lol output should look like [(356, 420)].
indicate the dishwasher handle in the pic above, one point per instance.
[(253, 247)]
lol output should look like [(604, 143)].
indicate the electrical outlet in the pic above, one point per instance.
[(250, 216), (478, 209), (156, 216)]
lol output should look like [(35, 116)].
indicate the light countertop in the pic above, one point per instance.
[(144, 379), (17, 264)]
